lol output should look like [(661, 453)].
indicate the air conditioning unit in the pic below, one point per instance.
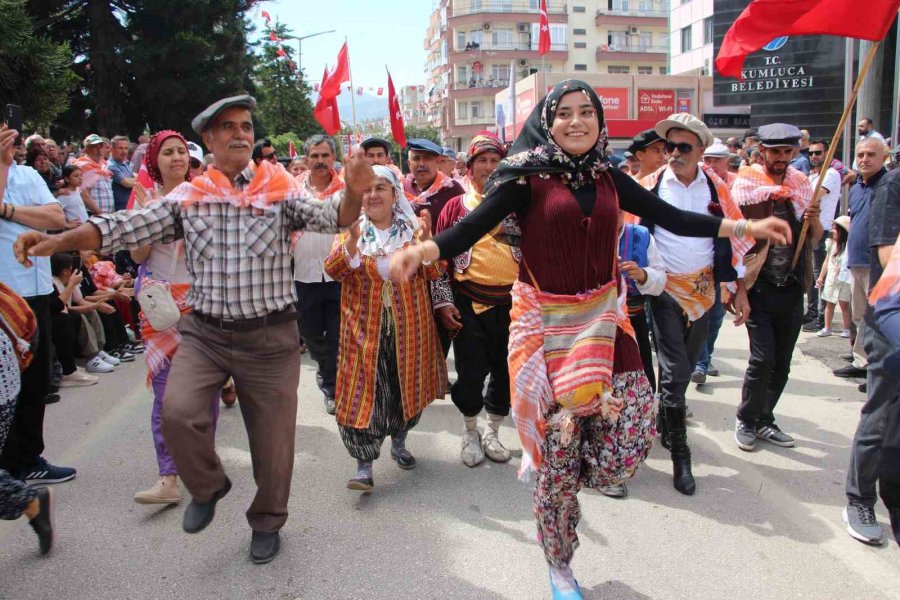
[(523, 62), (522, 28), (633, 30), (486, 26)]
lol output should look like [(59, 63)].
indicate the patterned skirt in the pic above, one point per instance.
[(387, 413)]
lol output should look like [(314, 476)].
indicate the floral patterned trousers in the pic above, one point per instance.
[(590, 452)]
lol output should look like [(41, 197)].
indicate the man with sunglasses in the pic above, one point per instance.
[(775, 282), (830, 198), (693, 268), (264, 150)]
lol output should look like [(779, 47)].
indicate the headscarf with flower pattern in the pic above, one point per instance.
[(403, 225), (535, 152)]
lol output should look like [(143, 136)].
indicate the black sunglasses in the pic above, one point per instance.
[(683, 147), (816, 152)]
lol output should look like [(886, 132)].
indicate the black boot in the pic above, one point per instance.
[(682, 478), (661, 428)]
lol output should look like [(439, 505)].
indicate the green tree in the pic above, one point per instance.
[(184, 56), (282, 141), (34, 70), (283, 93), (96, 35)]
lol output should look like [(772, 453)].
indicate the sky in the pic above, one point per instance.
[(380, 32)]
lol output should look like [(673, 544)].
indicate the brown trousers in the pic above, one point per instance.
[(265, 365)]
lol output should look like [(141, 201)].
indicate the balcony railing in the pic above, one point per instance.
[(481, 83), (470, 7), (509, 47), (634, 12), (633, 48)]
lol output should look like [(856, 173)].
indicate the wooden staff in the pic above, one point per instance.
[(829, 155)]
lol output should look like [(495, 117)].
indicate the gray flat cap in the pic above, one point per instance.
[(779, 134), (203, 120)]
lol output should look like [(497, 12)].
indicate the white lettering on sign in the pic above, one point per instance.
[(773, 76)]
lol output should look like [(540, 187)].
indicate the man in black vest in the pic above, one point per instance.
[(694, 266)]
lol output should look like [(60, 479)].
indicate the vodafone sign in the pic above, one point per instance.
[(655, 104), (615, 102)]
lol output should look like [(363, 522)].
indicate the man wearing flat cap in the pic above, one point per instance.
[(775, 282), (694, 268), (429, 188), (474, 299), (650, 151), (236, 222)]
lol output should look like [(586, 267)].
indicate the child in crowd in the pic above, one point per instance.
[(76, 203), (834, 280)]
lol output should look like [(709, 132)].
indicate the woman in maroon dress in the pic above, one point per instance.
[(582, 404)]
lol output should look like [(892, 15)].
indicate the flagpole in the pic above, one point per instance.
[(829, 155), (352, 87)]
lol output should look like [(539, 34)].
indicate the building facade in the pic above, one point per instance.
[(474, 48), (691, 37)]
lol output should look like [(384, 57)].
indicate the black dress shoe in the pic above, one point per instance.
[(43, 522), (849, 371), (200, 514), (863, 387), (264, 546)]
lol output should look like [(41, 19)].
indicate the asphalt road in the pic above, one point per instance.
[(762, 525)]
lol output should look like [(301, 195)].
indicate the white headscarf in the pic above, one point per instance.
[(375, 242)]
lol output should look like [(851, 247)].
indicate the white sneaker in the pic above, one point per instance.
[(824, 332), (111, 360), (845, 334), (98, 365), (77, 379)]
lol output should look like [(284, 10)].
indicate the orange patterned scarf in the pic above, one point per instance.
[(694, 292), (270, 185), (160, 346), (754, 186), (440, 182), (91, 172)]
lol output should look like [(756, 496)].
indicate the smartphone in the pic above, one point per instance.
[(13, 117), (76, 263)]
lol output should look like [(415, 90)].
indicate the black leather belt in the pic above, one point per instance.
[(249, 324)]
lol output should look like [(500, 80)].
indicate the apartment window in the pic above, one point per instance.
[(502, 38), (500, 73), (580, 67), (535, 5), (475, 37), (501, 5), (475, 5), (460, 40), (620, 5), (477, 111), (462, 110), (618, 69), (686, 39), (581, 44), (646, 40), (645, 70), (578, 9), (462, 74), (664, 70), (579, 31), (557, 36), (707, 30), (617, 40)]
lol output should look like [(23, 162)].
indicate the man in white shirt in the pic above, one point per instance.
[(28, 205), (694, 266), (830, 198), (319, 295)]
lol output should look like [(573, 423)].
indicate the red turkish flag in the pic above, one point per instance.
[(396, 114), (544, 28), (316, 87), (273, 37), (265, 15), (764, 20), (359, 91), (381, 91), (292, 151), (326, 111)]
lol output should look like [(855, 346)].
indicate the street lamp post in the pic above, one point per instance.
[(299, 47)]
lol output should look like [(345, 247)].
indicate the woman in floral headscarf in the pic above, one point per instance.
[(581, 401), (390, 362)]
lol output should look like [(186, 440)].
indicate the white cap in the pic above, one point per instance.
[(195, 151), (717, 150)]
